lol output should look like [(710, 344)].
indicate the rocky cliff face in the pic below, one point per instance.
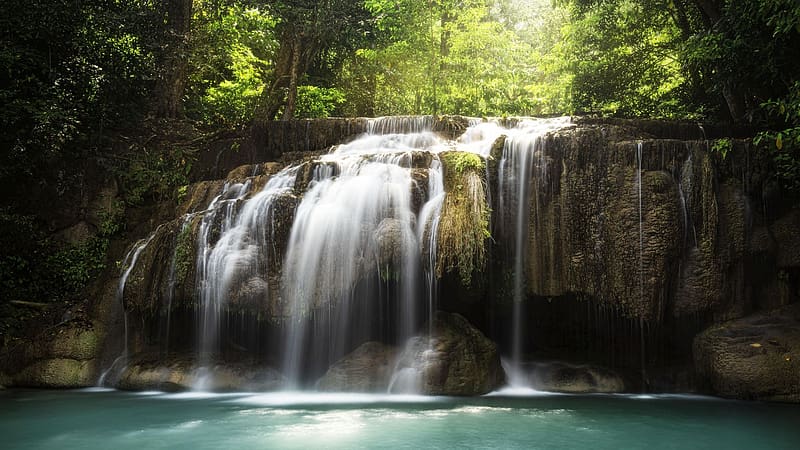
[(653, 228), (635, 242)]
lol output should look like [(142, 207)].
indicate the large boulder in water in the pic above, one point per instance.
[(367, 369), (757, 357), (576, 379), (454, 358)]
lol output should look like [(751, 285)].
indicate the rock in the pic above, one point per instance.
[(76, 234), (574, 379), (65, 342), (57, 373), (150, 372), (391, 238), (5, 380), (198, 196), (455, 359), (367, 369), (754, 358), (63, 357)]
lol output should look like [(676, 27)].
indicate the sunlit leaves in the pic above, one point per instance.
[(471, 57)]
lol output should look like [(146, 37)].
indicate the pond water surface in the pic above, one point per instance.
[(107, 419)]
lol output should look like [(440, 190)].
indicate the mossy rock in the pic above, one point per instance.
[(5, 380), (464, 221), (754, 358), (175, 373), (58, 373), (454, 359), (576, 379), (367, 369)]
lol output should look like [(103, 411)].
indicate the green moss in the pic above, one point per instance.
[(184, 252), (464, 222), (461, 162)]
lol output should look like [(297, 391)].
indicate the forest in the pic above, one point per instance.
[(130, 89)]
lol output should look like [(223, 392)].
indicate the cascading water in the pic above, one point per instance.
[(522, 166), (129, 262), (359, 261), (234, 239), (356, 233)]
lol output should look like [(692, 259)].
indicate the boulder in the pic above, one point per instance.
[(151, 372), (5, 380), (367, 369), (454, 358), (392, 238), (576, 379), (754, 358), (57, 373), (63, 357)]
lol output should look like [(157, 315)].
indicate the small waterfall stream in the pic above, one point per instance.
[(129, 262), (522, 168)]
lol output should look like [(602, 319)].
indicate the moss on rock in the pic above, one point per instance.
[(58, 373), (464, 221)]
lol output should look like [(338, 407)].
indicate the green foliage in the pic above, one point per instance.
[(474, 57), (783, 142), (231, 58), (233, 101), (72, 70), (73, 266), (722, 147), (112, 220), (313, 101), (154, 173), (624, 61), (38, 270)]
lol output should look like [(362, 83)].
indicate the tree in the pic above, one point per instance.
[(474, 57), (310, 33), (173, 74)]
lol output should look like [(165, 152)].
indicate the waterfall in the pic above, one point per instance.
[(522, 166), (129, 262), (355, 259), (357, 233), (234, 239)]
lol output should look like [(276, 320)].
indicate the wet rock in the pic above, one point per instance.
[(389, 238), (367, 369), (198, 196), (576, 379), (63, 357), (179, 374), (419, 188), (785, 230), (149, 280), (314, 170), (57, 373), (463, 229), (455, 358), (5, 380), (754, 358), (450, 126)]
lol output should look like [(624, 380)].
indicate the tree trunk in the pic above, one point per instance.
[(680, 18), (735, 102), (710, 10), (294, 74), (174, 60)]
